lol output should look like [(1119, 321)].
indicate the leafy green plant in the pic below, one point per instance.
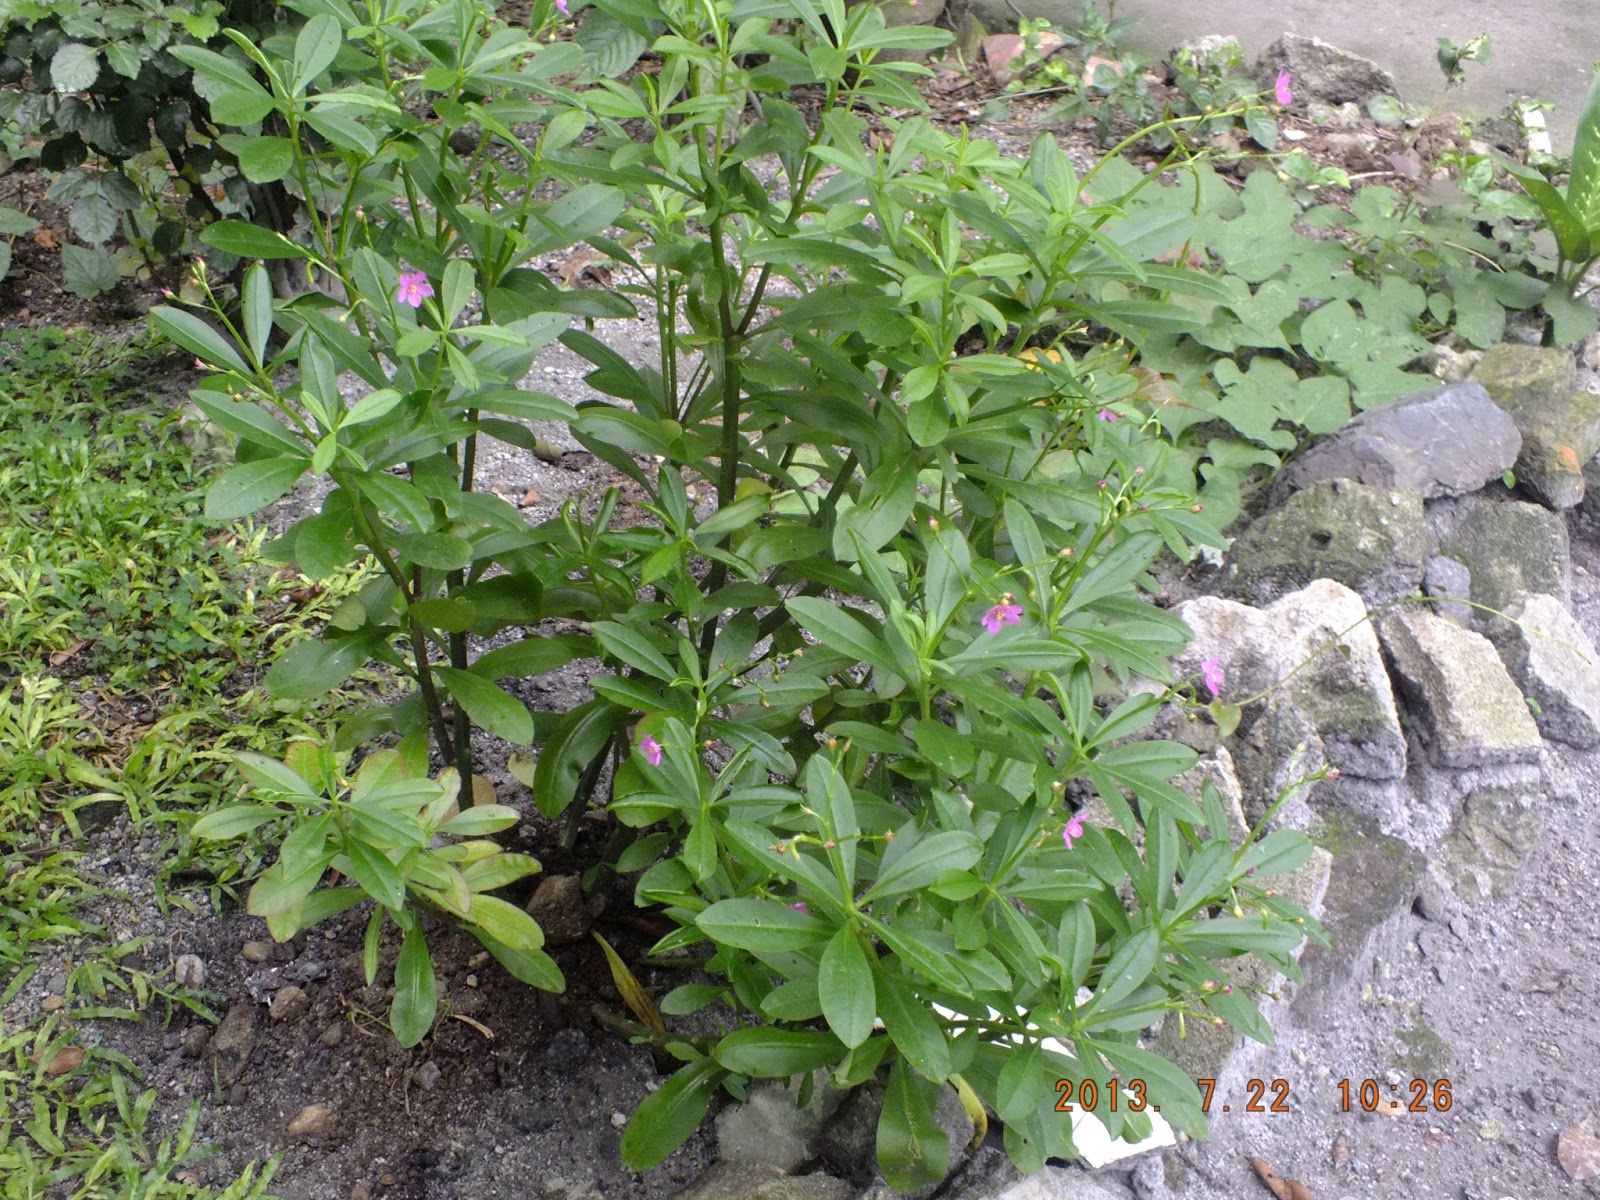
[(1572, 217), (1451, 56), (382, 830), (884, 613)]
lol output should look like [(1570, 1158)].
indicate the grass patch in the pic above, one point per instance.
[(132, 639)]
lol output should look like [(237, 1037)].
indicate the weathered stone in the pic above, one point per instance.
[(735, 1181), (1320, 72), (1485, 851), (1369, 539), (1443, 442), (1217, 52), (1454, 682), (768, 1130), (1554, 661), (1510, 548), (558, 905), (233, 1041), (1373, 881), (1560, 424), (1217, 770), (1006, 53), (313, 1120), (289, 1004), (1445, 579), (1058, 1183), (1343, 688)]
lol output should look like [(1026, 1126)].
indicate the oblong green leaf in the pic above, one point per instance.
[(249, 241), (766, 1053), (844, 983), (670, 1114), (762, 926), (250, 487), (197, 337), (233, 821), (495, 710), (416, 991)]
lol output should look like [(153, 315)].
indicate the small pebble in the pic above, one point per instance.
[(257, 952), (52, 1003), (333, 1035), (618, 1120), (312, 1120), (189, 971), (289, 1004), (427, 1075)]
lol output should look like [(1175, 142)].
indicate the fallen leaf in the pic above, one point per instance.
[(61, 656), (1578, 1152), (70, 1058), (45, 238), (521, 765), (1388, 1106), (529, 498), (482, 791), (1283, 1189), (546, 450)]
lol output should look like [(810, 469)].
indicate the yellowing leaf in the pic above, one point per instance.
[(632, 992)]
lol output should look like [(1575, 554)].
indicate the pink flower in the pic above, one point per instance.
[(414, 288), (562, 5), (1107, 415), (1002, 614), (1211, 671), (651, 749), (800, 906), (1073, 830), (1285, 96)]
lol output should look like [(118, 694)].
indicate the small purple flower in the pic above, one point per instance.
[(562, 5), (651, 749), (1284, 95), (414, 288), (1211, 671), (1107, 415), (800, 906), (1073, 831), (1002, 614)]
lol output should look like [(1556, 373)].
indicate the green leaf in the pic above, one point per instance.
[(124, 59), (923, 862), (249, 487), (376, 874), (256, 306), (93, 218), (74, 67), (766, 1053), (195, 336), (837, 630), (761, 926), (416, 991), (533, 967), (582, 735), (1572, 238), (315, 49), (506, 923), (233, 821), (87, 272), (249, 241), (844, 982), (670, 1114), (913, 1152), (634, 649), (307, 670), (911, 1026), (266, 159), (482, 819), (502, 714)]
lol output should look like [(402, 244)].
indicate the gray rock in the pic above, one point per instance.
[(1443, 442), (289, 1004), (1062, 1183), (732, 1181), (1485, 851), (558, 905), (427, 1076), (1369, 539), (1218, 52), (1555, 662), (1320, 72), (233, 1041), (1560, 424), (1373, 882), (1446, 579), (769, 1130), (259, 952), (1510, 548), (332, 1035), (1316, 652), (1457, 686), (313, 1120)]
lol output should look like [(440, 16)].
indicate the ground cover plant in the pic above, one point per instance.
[(885, 621), (124, 620)]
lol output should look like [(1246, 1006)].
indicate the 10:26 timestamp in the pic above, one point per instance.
[(1263, 1096)]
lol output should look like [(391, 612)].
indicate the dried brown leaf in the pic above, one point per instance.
[(68, 1058), (1283, 1189)]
